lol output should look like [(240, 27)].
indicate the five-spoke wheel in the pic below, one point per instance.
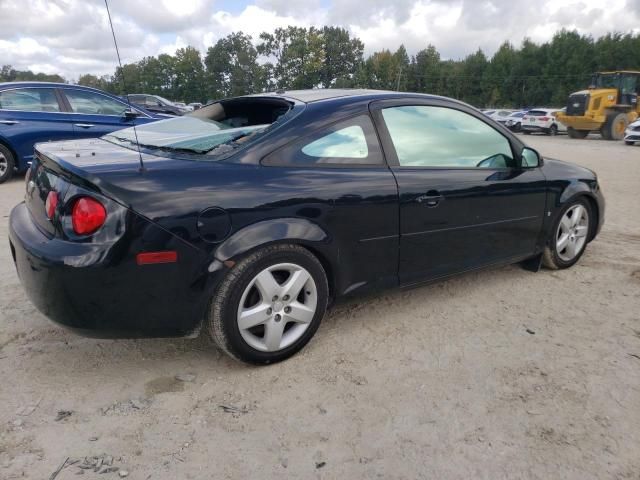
[(270, 304), (570, 236), (277, 307)]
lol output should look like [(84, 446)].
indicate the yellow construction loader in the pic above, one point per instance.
[(607, 106)]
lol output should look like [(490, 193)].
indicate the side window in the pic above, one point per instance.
[(93, 103), (29, 99), (349, 142), (425, 136)]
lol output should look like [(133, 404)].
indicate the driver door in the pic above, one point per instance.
[(465, 202)]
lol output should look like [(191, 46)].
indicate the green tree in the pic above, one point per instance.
[(232, 67)]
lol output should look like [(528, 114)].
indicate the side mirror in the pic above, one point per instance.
[(530, 158), (130, 114)]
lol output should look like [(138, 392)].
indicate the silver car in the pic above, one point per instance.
[(632, 133)]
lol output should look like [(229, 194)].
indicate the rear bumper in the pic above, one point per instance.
[(534, 128), (99, 291)]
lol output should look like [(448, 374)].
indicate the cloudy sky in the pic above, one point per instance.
[(71, 37)]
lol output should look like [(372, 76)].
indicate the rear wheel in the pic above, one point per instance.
[(7, 164), (553, 130), (573, 133), (614, 127), (569, 236), (269, 305)]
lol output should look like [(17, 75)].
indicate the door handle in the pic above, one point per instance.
[(83, 125), (9, 122), (431, 199)]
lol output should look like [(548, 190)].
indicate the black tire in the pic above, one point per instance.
[(550, 257), (573, 133), (614, 127), (553, 130), (9, 163), (526, 132), (629, 142), (222, 321)]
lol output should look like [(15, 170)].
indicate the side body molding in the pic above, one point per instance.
[(268, 231)]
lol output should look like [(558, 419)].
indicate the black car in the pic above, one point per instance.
[(251, 215), (156, 103)]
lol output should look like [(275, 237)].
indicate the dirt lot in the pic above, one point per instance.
[(439, 382)]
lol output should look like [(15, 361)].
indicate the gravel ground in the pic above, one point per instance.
[(497, 374)]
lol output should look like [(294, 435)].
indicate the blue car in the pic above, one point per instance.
[(32, 112)]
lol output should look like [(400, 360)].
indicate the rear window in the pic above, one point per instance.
[(537, 113), (212, 132)]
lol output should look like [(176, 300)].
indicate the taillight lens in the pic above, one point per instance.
[(51, 204), (544, 119), (87, 215)]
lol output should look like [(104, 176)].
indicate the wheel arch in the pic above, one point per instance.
[(579, 191), (298, 231)]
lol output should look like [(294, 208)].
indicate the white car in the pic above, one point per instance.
[(500, 116), (514, 121), (542, 120), (632, 133)]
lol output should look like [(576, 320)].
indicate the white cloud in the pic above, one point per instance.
[(71, 37)]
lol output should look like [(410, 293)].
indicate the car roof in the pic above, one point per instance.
[(320, 94), (4, 85)]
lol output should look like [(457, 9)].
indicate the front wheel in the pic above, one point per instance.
[(569, 236), (629, 142), (269, 305)]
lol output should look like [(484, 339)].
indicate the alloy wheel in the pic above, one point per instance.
[(277, 307), (572, 232)]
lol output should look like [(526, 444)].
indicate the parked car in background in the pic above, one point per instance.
[(500, 116), (254, 214), (32, 112), (195, 105), (156, 103), (632, 133), (183, 106), (514, 121), (542, 120)]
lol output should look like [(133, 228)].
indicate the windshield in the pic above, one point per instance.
[(601, 80), (187, 134)]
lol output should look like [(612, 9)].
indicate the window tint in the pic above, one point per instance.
[(93, 103), (30, 99), (425, 136), (350, 142)]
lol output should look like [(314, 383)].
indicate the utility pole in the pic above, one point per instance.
[(398, 81)]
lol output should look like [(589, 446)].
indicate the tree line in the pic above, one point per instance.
[(296, 58)]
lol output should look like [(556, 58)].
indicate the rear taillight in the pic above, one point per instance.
[(51, 204), (544, 119), (87, 215)]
